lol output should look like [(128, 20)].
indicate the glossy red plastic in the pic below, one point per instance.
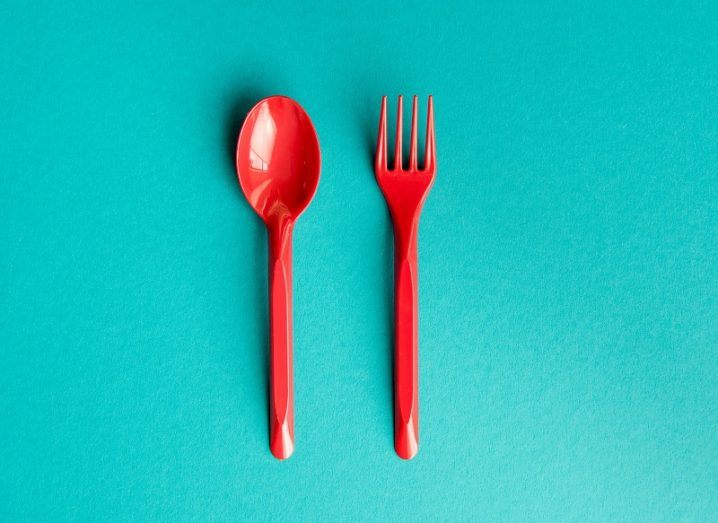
[(278, 165), (405, 190)]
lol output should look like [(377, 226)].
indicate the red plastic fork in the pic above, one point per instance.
[(405, 191)]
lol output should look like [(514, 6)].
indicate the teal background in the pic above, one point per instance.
[(568, 256)]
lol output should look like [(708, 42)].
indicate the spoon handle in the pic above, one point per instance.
[(281, 385), (406, 350)]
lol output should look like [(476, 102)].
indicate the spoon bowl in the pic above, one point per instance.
[(278, 159)]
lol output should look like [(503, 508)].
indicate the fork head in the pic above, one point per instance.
[(405, 188)]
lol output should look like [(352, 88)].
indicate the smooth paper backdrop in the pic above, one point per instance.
[(568, 263)]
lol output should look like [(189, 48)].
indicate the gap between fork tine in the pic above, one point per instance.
[(399, 133), (414, 147), (430, 157), (380, 158)]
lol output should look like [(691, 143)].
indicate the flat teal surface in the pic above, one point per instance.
[(568, 263)]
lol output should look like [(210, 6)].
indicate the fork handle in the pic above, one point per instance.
[(281, 383), (406, 350)]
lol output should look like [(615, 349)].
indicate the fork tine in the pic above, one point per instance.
[(380, 158), (414, 147), (430, 158), (399, 132)]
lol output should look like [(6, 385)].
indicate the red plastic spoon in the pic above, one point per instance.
[(278, 164)]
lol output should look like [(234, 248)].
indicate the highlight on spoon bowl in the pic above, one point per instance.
[(278, 165)]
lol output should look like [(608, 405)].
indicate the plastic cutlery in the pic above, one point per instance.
[(405, 190), (278, 164)]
